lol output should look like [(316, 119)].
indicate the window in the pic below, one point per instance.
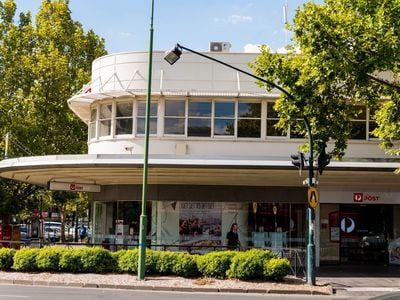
[(371, 123), (92, 123), (249, 120), (224, 118), (123, 118), (272, 120), (105, 119), (359, 124), (199, 118), (141, 117), (174, 121)]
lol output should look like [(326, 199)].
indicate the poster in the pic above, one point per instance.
[(200, 223)]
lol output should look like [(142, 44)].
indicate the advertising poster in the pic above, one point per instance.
[(200, 223)]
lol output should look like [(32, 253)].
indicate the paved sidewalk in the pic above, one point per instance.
[(361, 280), (290, 285)]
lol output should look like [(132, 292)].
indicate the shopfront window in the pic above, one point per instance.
[(277, 225)]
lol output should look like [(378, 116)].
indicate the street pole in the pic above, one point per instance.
[(310, 211), (143, 216)]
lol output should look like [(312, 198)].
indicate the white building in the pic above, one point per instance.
[(214, 158)]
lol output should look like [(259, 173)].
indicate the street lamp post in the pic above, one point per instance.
[(143, 216), (174, 54)]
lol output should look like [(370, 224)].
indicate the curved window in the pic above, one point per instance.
[(105, 119), (123, 118), (92, 123)]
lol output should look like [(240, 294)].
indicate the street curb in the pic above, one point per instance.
[(160, 288)]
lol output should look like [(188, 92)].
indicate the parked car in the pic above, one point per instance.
[(52, 231)]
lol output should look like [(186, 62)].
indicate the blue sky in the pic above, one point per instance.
[(125, 23)]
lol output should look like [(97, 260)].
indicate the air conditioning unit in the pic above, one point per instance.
[(220, 46)]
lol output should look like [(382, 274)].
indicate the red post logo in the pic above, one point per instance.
[(358, 197)]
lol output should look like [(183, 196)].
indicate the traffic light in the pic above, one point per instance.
[(323, 160), (298, 160)]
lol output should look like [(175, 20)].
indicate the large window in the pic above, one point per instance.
[(199, 118), (249, 120), (224, 118), (371, 123), (272, 120), (123, 118), (105, 119), (141, 117), (359, 124), (174, 121), (92, 123)]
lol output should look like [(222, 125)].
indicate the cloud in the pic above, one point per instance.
[(124, 33), (252, 48), (234, 19)]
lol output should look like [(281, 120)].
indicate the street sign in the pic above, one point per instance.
[(313, 197), (73, 187)]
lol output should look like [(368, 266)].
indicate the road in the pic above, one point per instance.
[(13, 292)]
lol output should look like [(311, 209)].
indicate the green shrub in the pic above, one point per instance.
[(70, 261), (96, 260), (48, 259), (25, 260), (165, 261), (116, 256), (277, 268), (6, 258), (128, 261), (185, 265), (215, 264), (249, 264)]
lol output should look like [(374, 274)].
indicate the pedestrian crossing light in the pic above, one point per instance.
[(298, 160), (323, 160)]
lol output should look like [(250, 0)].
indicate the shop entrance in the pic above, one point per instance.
[(364, 233)]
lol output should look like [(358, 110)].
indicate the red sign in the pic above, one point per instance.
[(361, 197), (358, 197)]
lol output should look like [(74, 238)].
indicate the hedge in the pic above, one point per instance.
[(252, 264)]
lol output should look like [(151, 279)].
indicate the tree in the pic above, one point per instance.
[(41, 66), (345, 53)]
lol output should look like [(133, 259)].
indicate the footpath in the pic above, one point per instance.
[(290, 285)]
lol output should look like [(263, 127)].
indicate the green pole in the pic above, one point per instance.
[(143, 216), (311, 212)]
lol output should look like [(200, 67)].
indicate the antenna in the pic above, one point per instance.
[(285, 20)]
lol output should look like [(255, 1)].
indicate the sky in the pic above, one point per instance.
[(125, 24)]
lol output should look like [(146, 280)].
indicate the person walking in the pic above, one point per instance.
[(232, 238)]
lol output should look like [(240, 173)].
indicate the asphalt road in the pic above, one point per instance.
[(12, 292)]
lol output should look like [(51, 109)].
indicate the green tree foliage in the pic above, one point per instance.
[(42, 64), (344, 53)]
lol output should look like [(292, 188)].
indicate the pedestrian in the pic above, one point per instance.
[(232, 238), (82, 233)]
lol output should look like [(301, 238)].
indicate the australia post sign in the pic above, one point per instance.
[(365, 197), (73, 187)]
